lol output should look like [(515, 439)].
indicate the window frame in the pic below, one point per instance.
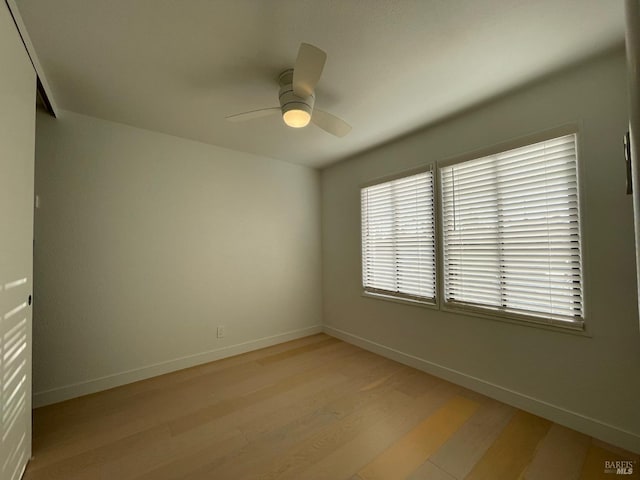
[(439, 303), (400, 298), (578, 327)]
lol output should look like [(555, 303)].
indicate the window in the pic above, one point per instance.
[(511, 236), (398, 238)]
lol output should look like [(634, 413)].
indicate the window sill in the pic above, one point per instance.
[(405, 301), (540, 323), (515, 319)]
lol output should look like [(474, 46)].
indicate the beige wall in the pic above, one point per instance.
[(587, 382), (145, 243)]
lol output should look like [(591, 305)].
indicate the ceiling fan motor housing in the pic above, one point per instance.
[(288, 99)]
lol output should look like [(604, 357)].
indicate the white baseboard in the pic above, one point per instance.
[(590, 426), (66, 392)]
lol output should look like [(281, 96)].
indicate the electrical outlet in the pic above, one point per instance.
[(220, 331)]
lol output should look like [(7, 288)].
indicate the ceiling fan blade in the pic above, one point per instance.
[(308, 69), (263, 112), (330, 123)]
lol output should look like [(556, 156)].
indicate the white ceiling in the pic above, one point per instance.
[(180, 67)]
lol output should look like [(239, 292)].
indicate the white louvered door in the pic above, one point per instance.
[(17, 130)]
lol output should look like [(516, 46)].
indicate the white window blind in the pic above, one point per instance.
[(511, 236), (398, 238)]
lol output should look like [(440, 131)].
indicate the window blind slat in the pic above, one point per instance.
[(398, 238), (511, 232)]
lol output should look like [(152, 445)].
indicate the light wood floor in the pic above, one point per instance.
[(314, 408)]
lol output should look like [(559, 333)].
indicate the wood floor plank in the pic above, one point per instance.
[(346, 404), (176, 398), (408, 453), (560, 455), (265, 447), (429, 471), (141, 412), (256, 428), (595, 468), (170, 460), (77, 466), (424, 383), (278, 357), (462, 451), (291, 461), (88, 406), (315, 409), (195, 461), (78, 441), (512, 451), (215, 410), (363, 448)]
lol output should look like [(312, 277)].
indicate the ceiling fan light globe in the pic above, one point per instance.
[(296, 118)]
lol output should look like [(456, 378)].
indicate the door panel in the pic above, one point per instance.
[(17, 130), (633, 71)]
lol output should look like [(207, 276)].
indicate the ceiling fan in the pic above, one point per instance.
[(297, 96)]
